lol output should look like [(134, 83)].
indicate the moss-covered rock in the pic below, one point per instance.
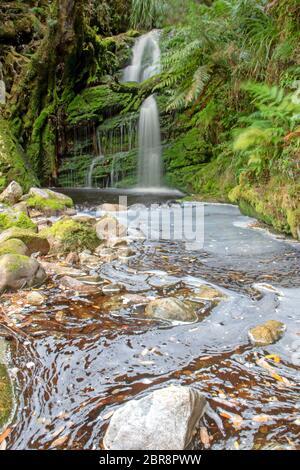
[(68, 235), (48, 201), (18, 272), (19, 220), (13, 246), (6, 395), (276, 203), (267, 333), (35, 242)]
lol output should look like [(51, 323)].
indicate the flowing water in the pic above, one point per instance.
[(146, 64), (83, 356)]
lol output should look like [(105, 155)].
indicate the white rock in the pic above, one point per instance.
[(163, 420)]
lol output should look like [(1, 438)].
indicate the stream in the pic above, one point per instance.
[(75, 368)]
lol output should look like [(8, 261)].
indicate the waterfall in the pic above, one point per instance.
[(145, 64)]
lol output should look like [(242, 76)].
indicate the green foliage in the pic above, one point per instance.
[(277, 114), (146, 14), (50, 204)]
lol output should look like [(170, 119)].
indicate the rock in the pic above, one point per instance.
[(267, 333), (115, 242), (47, 201), (72, 258), (87, 259), (35, 298), (111, 289), (21, 207), (112, 208), (165, 419), (209, 293), (110, 227), (36, 243), (13, 246), (170, 309), (78, 286), (67, 235), (12, 193), (17, 272), (59, 270)]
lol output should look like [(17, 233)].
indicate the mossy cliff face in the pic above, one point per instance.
[(13, 163)]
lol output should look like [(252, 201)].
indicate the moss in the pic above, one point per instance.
[(276, 203), (93, 103), (73, 235), (19, 220), (6, 395), (50, 204), (34, 241), (13, 164), (13, 246)]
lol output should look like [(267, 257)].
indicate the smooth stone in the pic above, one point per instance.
[(170, 309), (21, 207), (209, 293), (267, 333), (18, 272), (35, 298), (59, 270), (12, 194), (115, 242), (165, 419), (107, 207)]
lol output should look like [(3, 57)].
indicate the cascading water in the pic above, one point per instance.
[(145, 64)]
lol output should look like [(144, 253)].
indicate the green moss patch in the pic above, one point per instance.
[(51, 204), (19, 220), (13, 246), (71, 235), (6, 395)]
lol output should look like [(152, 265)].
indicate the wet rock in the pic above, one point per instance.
[(267, 333), (60, 270), (77, 286), (106, 254), (35, 298), (13, 246), (85, 219), (209, 293), (73, 258), (171, 309), (111, 289), (87, 259), (165, 419), (110, 227), (47, 201), (17, 272), (12, 194), (36, 243)]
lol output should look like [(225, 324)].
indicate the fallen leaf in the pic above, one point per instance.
[(236, 445), (273, 357), (204, 437), (4, 435), (59, 441), (261, 418), (236, 419)]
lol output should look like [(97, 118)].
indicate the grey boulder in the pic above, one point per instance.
[(166, 419), (18, 271), (171, 309)]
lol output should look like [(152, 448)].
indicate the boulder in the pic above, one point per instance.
[(89, 260), (36, 243), (12, 194), (13, 246), (109, 227), (165, 419), (35, 298), (171, 309), (47, 201), (67, 235), (18, 271), (267, 333)]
